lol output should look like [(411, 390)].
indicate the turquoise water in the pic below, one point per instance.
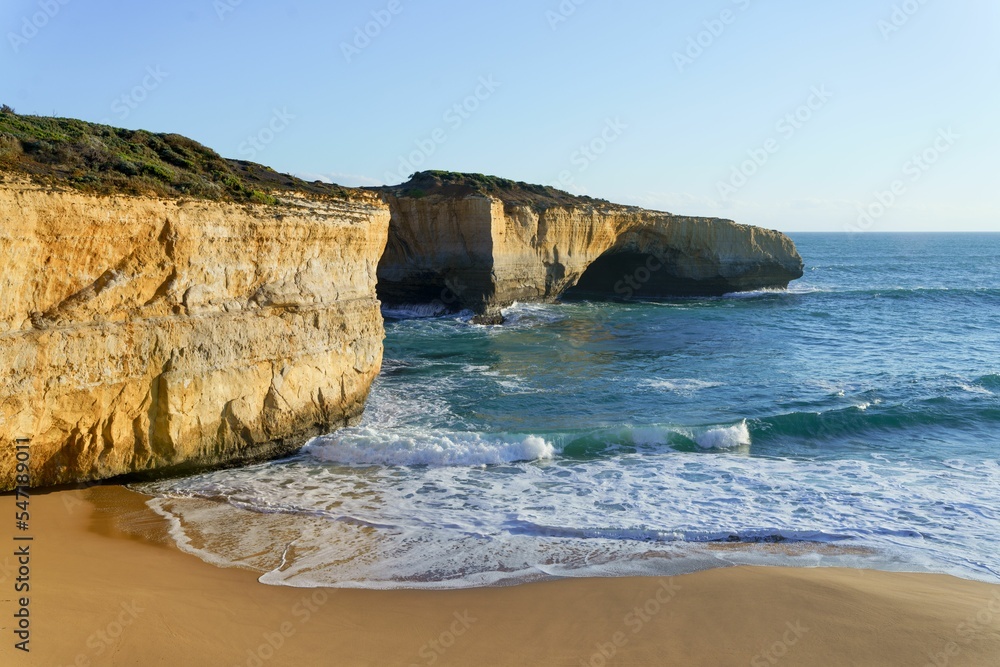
[(851, 420)]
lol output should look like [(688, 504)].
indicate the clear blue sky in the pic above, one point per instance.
[(673, 129)]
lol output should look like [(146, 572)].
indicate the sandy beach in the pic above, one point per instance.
[(108, 588), (496, 334)]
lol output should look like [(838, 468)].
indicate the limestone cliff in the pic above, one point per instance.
[(469, 241), (165, 309), (145, 333)]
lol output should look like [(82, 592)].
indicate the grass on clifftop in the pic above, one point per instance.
[(452, 184), (106, 160)]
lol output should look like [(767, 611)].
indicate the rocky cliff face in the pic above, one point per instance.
[(141, 334), (482, 251), (160, 333)]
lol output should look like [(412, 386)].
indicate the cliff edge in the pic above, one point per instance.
[(165, 309), (145, 329), (468, 241)]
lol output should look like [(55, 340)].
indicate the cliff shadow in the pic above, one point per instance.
[(625, 274)]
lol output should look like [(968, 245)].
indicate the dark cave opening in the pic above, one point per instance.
[(627, 275)]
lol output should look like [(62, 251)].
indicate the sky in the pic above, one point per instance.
[(848, 116)]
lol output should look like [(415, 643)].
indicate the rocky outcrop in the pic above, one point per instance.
[(481, 243), (222, 313), (141, 334)]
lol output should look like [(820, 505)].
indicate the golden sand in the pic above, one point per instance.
[(108, 588)]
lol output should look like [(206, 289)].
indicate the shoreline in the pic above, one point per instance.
[(256, 542), (107, 588)]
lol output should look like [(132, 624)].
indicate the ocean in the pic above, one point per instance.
[(852, 420)]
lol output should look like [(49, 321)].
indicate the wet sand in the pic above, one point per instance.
[(109, 588)]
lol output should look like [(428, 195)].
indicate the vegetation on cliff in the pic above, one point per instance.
[(105, 160), (452, 184)]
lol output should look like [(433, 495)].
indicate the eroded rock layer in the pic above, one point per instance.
[(482, 251), (141, 334)]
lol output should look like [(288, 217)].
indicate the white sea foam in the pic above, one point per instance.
[(531, 314), (424, 495), (794, 289), (975, 389), (414, 311), (726, 437), (410, 447), (656, 512), (176, 530), (517, 385), (681, 385)]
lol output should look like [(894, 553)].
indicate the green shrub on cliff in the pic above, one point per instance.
[(455, 184), (107, 160), (258, 197)]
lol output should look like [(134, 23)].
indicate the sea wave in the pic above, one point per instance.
[(991, 382), (792, 290), (423, 311), (742, 536), (898, 292), (872, 417), (726, 437), (680, 385), (660, 513), (366, 446), (531, 314), (393, 443)]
